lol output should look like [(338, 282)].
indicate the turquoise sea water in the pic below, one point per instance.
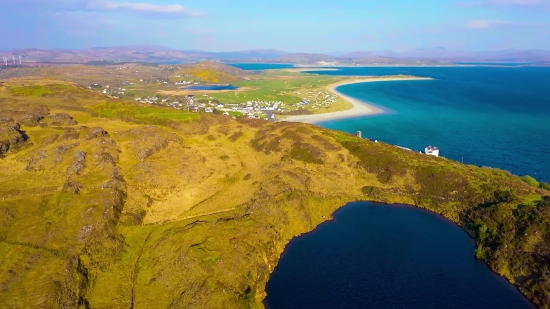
[(488, 116)]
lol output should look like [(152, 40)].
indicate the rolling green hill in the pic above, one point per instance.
[(209, 73), (105, 204)]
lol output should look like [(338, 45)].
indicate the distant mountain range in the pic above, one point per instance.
[(133, 53), (160, 54), (443, 54)]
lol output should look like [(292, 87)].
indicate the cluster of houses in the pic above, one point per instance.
[(207, 104), (151, 100), (273, 105), (320, 98), (255, 109), (185, 82), (115, 93)]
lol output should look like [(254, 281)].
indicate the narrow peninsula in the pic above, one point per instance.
[(359, 108)]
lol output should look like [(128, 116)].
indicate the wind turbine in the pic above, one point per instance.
[(13, 59), (19, 59)]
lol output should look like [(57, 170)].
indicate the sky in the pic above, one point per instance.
[(320, 26)]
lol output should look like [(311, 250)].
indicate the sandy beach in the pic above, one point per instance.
[(359, 108)]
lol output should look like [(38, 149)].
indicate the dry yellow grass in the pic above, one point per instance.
[(168, 209)]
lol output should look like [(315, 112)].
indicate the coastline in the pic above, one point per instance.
[(360, 108), (315, 66)]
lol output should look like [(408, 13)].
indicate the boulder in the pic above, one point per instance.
[(94, 133), (60, 119), (30, 120)]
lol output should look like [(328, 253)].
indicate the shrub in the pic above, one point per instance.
[(481, 252), (306, 153), (369, 190), (499, 172), (544, 186), (530, 181), (235, 136), (503, 196)]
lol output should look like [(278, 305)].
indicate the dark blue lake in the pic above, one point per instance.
[(381, 256), (211, 87)]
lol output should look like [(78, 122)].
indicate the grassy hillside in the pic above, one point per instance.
[(208, 73), (105, 204)]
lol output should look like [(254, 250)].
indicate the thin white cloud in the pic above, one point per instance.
[(534, 4), (173, 10), (488, 23), (142, 9)]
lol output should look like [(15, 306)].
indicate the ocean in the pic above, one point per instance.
[(488, 116)]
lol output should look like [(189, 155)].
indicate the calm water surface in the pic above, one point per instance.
[(261, 66), (487, 116), (377, 256), (211, 87), (380, 256)]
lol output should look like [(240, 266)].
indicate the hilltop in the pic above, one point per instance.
[(209, 73), (108, 204)]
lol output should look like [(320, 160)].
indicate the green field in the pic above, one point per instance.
[(142, 114), (280, 86)]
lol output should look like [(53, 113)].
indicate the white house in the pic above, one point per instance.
[(432, 151)]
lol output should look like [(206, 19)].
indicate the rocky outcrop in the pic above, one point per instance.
[(77, 165), (60, 119), (10, 136), (31, 120), (91, 133)]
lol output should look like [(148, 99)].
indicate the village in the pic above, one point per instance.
[(206, 103)]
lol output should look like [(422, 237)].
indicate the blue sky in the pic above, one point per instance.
[(290, 25)]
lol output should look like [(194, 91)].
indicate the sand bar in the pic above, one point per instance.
[(359, 108)]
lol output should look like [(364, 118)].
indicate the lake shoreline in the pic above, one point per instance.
[(441, 217), (359, 107)]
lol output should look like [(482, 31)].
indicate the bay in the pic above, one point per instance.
[(487, 116)]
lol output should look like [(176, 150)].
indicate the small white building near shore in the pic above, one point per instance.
[(432, 151)]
